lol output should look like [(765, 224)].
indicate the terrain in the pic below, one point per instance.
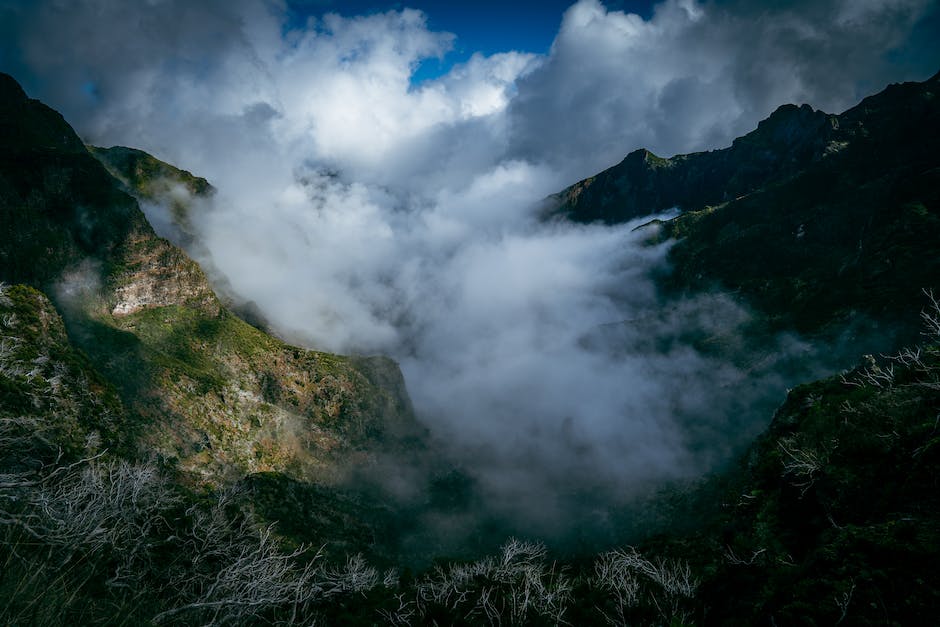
[(149, 436)]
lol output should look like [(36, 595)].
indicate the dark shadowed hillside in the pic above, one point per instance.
[(816, 219), (644, 183)]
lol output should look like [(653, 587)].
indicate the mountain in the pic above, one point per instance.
[(200, 389), (644, 183), (150, 439), (819, 221)]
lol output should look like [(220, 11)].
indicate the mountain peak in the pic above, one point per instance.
[(784, 144), (10, 90), (643, 156), (28, 125), (788, 126)]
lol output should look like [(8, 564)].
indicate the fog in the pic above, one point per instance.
[(361, 213)]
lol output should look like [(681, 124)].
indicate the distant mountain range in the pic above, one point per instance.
[(115, 350)]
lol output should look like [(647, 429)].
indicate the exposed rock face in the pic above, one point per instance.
[(158, 274), (232, 400)]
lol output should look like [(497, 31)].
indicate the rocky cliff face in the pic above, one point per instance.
[(200, 388), (154, 273)]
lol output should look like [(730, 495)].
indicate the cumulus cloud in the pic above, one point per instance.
[(363, 213)]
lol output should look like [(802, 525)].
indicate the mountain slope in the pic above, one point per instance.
[(201, 389), (851, 237), (820, 221), (170, 194), (53, 400), (833, 516), (56, 204)]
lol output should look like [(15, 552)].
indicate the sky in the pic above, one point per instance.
[(485, 26), (369, 204)]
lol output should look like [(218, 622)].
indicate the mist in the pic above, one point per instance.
[(362, 213)]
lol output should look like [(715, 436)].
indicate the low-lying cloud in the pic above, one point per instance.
[(362, 213)]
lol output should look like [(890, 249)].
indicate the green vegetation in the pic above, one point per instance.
[(835, 513), (807, 529), (223, 399), (145, 175), (149, 179), (46, 384)]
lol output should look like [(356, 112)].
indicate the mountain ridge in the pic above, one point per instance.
[(644, 183), (820, 222)]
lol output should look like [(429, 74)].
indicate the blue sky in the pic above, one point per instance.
[(485, 26)]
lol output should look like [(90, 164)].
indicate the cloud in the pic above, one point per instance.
[(362, 213), (696, 75)]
